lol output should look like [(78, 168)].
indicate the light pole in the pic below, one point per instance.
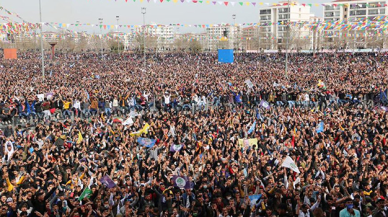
[(143, 11), (288, 36), (102, 52), (234, 30), (356, 21), (41, 36), (118, 34)]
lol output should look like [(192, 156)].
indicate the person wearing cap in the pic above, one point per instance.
[(349, 210)]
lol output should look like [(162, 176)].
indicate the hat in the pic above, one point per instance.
[(381, 199), (9, 200)]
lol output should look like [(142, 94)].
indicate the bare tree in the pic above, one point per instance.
[(195, 46)]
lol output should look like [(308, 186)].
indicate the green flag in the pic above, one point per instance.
[(85, 194)]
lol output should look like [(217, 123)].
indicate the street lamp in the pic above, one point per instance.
[(118, 32), (143, 11), (288, 36), (41, 36), (102, 52)]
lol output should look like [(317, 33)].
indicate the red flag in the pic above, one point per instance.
[(226, 3)]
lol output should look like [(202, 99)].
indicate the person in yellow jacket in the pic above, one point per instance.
[(74, 180), (11, 184)]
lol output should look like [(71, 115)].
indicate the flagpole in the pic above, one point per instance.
[(41, 36)]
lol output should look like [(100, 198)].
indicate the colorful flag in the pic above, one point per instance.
[(252, 128), (143, 130), (175, 148), (181, 182), (265, 104), (107, 181), (85, 194), (254, 199), (289, 163), (321, 127), (148, 143), (80, 138)]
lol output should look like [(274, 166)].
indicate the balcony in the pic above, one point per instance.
[(263, 12), (357, 12)]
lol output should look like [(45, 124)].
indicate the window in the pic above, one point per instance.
[(267, 11), (283, 10), (374, 11), (329, 14), (382, 11)]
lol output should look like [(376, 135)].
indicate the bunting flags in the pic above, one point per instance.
[(247, 3)]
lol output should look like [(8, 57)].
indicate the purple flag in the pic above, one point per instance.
[(107, 181), (384, 108), (181, 182), (265, 104), (175, 148)]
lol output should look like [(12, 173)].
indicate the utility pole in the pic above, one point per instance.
[(102, 51), (143, 11), (118, 34), (41, 36)]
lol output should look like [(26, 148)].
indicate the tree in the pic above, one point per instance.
[(151, 42), (181, 44), (195, 46), (114, 45)]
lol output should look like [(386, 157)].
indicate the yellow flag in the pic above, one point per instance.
[(143, 130), (80, 138)]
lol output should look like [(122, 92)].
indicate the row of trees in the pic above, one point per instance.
[(318, 40)]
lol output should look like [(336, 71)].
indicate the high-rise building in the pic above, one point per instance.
[(350, 12), (274, 19)]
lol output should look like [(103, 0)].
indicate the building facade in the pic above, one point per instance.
[(352, 12), (273, 23), (224, 37)]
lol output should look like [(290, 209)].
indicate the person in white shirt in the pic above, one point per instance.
[(77, 108), (306, 101)]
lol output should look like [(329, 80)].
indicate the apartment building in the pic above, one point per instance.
[(224, 37), (350, 12), (274, 19)]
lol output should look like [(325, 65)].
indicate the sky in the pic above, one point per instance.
[(88, 11)]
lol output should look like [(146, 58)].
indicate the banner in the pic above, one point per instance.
[(249, 83), (181, 182), (175, 148), (321, 127), (107, 181), (246, 143), (289, 163), (265, 104), (146, 142)]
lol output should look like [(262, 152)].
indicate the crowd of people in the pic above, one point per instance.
[(187, 136)]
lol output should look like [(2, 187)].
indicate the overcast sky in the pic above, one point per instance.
[(88, 11)]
